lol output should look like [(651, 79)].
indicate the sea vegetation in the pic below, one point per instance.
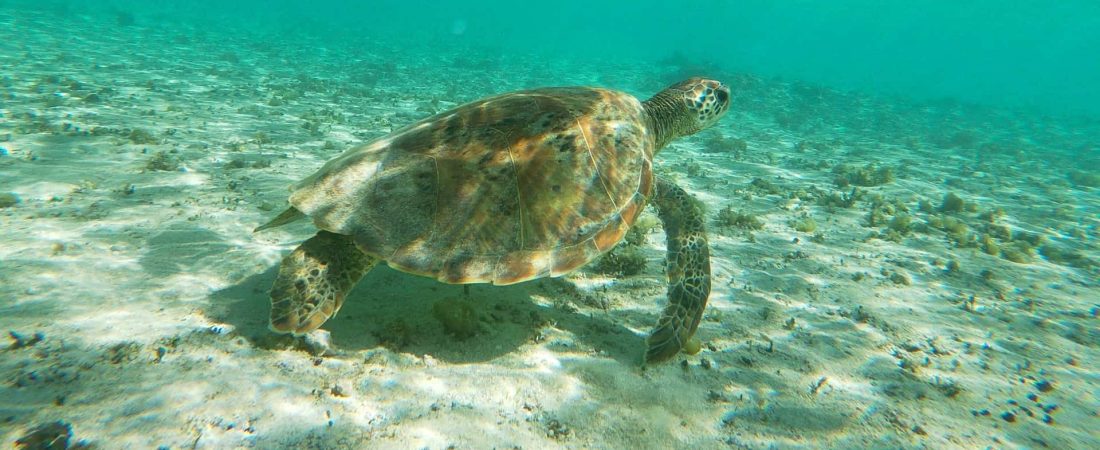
[(804, 225), (765, 187), (622, 261), (1018, 252), (952, 204), (728, 218), (163, 161), (1081, 178), (142, 137), (8, 199), (841, 200), (458, 316), (1061, 255), (637, 234), (992, 215), (989, 245), (866, 176), (882, 209), (717, 143)]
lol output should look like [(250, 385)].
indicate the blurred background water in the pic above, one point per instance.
[(1020, 54)]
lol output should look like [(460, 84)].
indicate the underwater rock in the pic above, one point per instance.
[(49, 436)]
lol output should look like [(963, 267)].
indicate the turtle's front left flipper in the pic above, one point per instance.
[(688, 268), (313, 281)]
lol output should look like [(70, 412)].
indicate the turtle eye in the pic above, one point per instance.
[(723, 96)]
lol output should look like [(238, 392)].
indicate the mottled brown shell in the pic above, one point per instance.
[(503, 190)]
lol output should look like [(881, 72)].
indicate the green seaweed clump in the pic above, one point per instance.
[(901, 223), (765, 186), (952, 203), (141, 137), (8, 199), (621, 261), (1072, 258), (992, 215), (637, 233), (838, 200), (729, 218), (989, 245), (999, 231), (163, 161), (458, 317), (1084, 179), (1032, 239), (956, 230), (866, 176), (804, 225), (1018, 252)]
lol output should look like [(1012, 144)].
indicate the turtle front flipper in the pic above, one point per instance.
[(688, 268), (313, 281)]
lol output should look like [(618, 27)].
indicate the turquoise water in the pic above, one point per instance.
[(900, 207), (1020, 53)]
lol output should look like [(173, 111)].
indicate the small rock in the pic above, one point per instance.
[(339, 390), (50, 436), (319, 342), (1008, 417), (1044, 386), (24, 341)]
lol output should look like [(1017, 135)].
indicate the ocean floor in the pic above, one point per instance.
[(887, 274)]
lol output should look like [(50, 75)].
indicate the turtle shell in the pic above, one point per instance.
[(503, 190)]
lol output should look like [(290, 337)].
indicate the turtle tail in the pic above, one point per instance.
[(291, 214)]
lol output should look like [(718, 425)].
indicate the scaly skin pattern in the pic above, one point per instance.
[(688, 269), (314, 280)]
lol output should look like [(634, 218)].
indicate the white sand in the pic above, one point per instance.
[(151, 291)]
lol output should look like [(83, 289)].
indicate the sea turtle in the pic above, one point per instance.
[(502, 190)]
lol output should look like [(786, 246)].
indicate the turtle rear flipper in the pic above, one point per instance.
[(688, 268), (314, 280)]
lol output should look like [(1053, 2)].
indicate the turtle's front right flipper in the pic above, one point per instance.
[(314, 280), (688, 268)]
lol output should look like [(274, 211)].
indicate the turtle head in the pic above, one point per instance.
[(706, 100), (687, 107)]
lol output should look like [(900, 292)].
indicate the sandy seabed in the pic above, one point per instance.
[(886, 274)]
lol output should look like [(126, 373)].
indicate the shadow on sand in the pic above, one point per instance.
[(393, 309)]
